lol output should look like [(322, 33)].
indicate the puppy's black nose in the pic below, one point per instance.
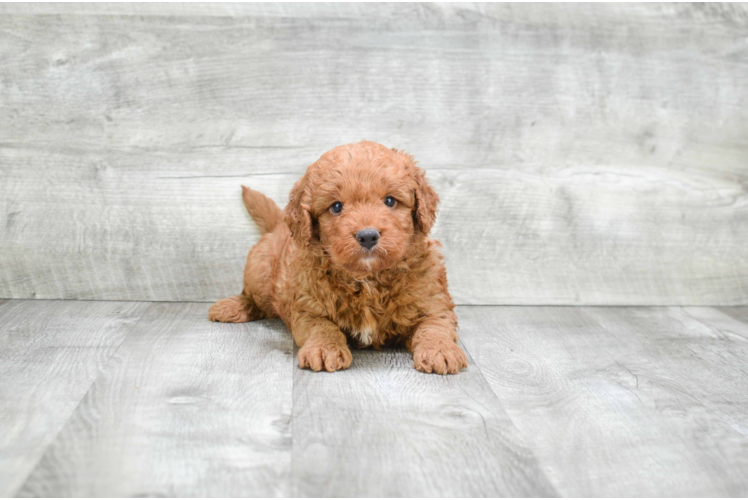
[(367, 238)]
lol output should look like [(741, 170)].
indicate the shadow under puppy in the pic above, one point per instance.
[(350, 259)]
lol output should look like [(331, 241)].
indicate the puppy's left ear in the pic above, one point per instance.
[(426, 199), (426, 203)]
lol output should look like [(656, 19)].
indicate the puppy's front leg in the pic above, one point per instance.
[(434, 347), (321, 344)]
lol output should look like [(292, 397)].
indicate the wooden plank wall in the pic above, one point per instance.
[(585, 154)]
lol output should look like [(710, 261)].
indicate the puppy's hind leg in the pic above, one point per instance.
[(236, 309)]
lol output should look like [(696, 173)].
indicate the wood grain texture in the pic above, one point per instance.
[(557, 401), (381, 428), (622, 401), (456, 13), (585, 154), (185, 408), (50, 354)]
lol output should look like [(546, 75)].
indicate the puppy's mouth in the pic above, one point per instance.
[(371, 258), (372, 253), (367, 255)]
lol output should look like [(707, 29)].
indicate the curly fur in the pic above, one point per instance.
[(309, 269)]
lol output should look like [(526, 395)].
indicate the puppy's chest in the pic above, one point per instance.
[(363, 327), (372, 318)]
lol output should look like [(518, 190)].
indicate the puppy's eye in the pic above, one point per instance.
[(336, 207), (390, 201)]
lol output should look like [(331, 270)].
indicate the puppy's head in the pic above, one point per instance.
[(362, 203)]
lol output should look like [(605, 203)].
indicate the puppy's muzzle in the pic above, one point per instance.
[(367, 238)]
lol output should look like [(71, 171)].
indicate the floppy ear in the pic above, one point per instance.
[(297, 215), (426, 201)]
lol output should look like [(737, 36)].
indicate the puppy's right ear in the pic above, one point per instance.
[(297, 214)]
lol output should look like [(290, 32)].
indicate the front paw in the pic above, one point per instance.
[(231, 310), (442, 358), (330, 357)]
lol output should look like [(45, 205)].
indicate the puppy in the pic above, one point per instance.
[(350, 261)]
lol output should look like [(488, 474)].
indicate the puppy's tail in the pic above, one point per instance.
[(263, 210)]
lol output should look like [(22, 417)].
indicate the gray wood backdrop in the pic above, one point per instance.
[(585, 154)]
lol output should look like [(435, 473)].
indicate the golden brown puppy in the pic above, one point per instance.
[(350, 260)]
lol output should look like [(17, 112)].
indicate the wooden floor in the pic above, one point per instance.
[(151, 399)]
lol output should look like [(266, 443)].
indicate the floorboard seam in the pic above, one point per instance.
[(707, 407), (83, 397), (525, 442)]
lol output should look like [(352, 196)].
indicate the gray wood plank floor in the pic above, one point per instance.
[(185, 407), (50, 354), (139, 399), (385, 429), (622, 401)]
